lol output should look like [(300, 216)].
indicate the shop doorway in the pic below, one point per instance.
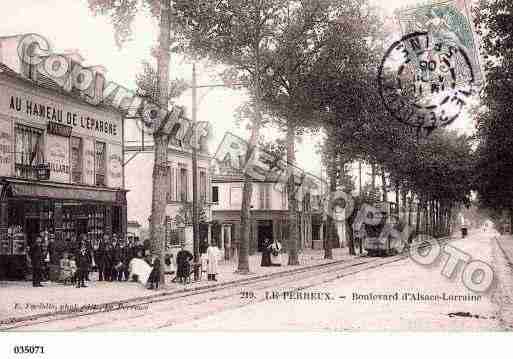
[(81, 226), (265, 231)]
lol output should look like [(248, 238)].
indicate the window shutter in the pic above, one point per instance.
[(261, 195)]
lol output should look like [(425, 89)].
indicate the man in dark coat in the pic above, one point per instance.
[(154, 278), (36, 257), (266, 253), (108, 262), (125, 259), (82, 266), (183, 265), (99, 257)]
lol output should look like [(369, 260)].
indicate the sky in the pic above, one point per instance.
[(70, 25)]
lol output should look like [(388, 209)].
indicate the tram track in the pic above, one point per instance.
[(226, 296)]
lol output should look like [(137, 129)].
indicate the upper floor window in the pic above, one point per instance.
[(265, 196), (183, 185), (170, 178), (100, 163), (29, 151), (284, 196), (76, 159), (215, 194), (203, 185)]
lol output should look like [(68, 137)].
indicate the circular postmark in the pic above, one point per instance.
[(425, 81)]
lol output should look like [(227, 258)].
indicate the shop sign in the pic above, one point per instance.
[(88, 161), (59, 129), (57, 157), (6, 148), (115, 166), (43, 171), (39, 109)]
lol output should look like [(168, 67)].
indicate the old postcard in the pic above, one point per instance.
[(256, 165)]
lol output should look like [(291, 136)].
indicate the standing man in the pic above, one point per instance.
[(213, 254), (36, 256), (83, 266), (99, 257)]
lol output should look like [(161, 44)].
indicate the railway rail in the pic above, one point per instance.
[(191, 303)]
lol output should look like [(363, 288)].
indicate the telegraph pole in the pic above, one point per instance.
[(195, 219)]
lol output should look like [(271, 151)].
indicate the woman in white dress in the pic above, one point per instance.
[(213, 254), (276, 253)]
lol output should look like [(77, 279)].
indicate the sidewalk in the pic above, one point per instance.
[(20, 299)]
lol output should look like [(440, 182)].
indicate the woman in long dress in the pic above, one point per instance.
[(266, 253), (213, 254), (276, 253)]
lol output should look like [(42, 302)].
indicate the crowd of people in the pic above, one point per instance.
[(112, 257), (71, 261)]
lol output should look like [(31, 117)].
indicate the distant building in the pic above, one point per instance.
[(139, 155), (269, 211)]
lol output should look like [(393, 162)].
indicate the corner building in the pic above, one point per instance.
[(61, 167)]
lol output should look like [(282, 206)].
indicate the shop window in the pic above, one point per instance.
[(203, 186), (96, 222), (183, 185), (29, 151), (265, 196), (215, 194), (100, 161), (76, 159), (284, 198), (170, 178), (173, 235)]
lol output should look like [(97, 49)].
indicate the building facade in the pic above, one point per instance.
[(139, 169), (269, 213), (61, 166)]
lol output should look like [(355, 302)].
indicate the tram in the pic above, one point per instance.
[(378, 239)]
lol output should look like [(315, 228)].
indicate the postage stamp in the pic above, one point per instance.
[(449, 21)]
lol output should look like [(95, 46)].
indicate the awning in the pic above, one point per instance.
[(35, 189)]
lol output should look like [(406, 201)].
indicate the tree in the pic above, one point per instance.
[(494, 163), (122, 14), (239, 34)]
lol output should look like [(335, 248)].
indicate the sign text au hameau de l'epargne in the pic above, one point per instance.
[(45, 112)]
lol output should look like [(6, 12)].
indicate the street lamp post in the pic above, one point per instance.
[(195, 204), (195, 219)]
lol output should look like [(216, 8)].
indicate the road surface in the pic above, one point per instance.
[(392, 293)]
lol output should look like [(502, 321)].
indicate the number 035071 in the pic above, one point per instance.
[(28, 349)]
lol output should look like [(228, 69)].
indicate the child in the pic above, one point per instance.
[(66, 274), (204, 264), (169, 265), (73, 267), (154, 278)]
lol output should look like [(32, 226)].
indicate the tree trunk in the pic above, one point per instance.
[(292, 197), (247, 188), (245, 226), (410, 205), (373, 177), (328, 252), (384, 185), (350, 238), (160, 173), (417, 220)]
